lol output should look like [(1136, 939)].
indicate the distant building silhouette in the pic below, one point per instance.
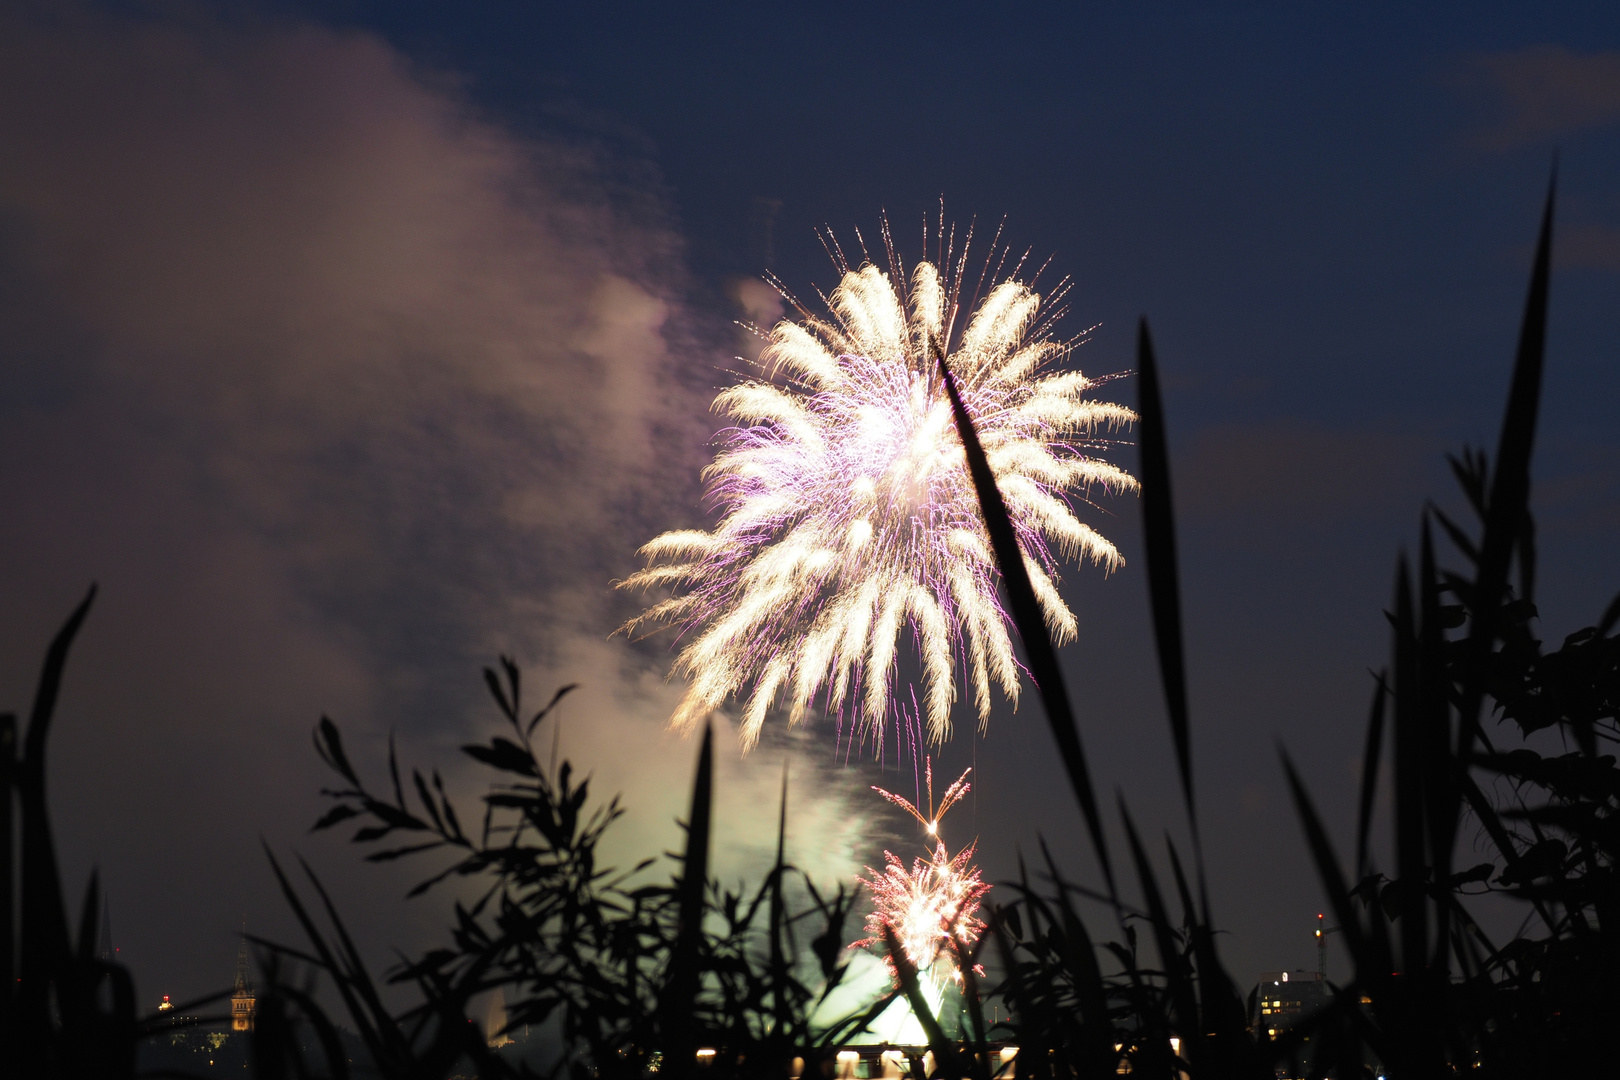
[(242, 998), (1281, 1000)]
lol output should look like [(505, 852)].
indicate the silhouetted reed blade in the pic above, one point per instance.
[(626, 973)]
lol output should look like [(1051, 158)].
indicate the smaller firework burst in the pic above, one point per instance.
[(932, 907)]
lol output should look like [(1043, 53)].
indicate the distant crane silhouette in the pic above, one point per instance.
[(1322, 932)]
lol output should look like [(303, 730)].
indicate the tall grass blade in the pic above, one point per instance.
[(1026, 612), (906, 973), (1371, 759), (966, 960), (1442, 796), (8, 881), (89, 923), (1096, 1044), (1409, 776), (1159, 536), (844, 1030), (325, 959), (778, 953), (43, 933), (1510, 483), (275, 1044), (681, 987), (50, 682), (1327, 863), (1183, 996)]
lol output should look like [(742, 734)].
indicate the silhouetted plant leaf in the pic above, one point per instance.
[(1371, 760), (906, 974), (681, 986), (503, 754), (1159, 540), (534, 722), (1481, 872), (329, 744), (341, 812), (1510, 483), (1026, 612)]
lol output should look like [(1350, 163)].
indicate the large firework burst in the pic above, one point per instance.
[(849, 514)]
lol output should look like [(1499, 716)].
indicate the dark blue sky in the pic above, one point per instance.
[(1326, 210), (294, 316)]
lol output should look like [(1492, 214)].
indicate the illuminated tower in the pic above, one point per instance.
[(242, 993)]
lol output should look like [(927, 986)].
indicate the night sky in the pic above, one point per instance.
[(349, 345)]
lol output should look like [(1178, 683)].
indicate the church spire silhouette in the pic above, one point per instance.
[(242, 996)]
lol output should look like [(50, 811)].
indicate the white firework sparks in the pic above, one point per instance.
[(932, 908), (848, 513)]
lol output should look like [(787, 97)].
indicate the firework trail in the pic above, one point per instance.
[(933, 903), (849, 514), (952, 796)]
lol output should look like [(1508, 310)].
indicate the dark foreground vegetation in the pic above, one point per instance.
[(626, 978)]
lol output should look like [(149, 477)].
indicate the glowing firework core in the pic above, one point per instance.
[(848, 512)]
